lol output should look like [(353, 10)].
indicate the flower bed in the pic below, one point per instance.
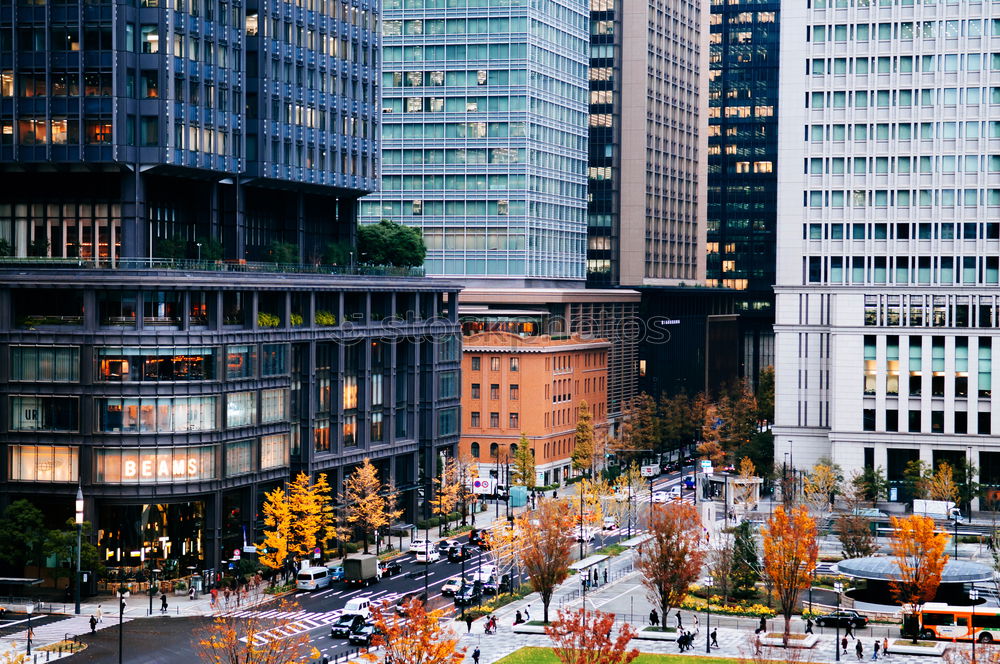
[(908, 647), (754, 610), (794, 640)]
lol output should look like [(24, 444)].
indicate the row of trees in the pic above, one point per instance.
[(724, 427), (26, 541)]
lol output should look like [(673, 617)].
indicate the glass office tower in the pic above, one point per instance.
[(484, 135), (742, 171)]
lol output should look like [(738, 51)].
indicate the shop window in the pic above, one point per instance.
[(43, 463), (163, 415), (44, 413), (241, 409), (240, 362), (155, 364), (153, 466)]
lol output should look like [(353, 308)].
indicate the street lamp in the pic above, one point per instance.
[(708, 613), (121, 616), (79, 539), (152, 588), (955, 519), (580, 527), (974, 596), (838, 587), (29, 609), (198, 244)]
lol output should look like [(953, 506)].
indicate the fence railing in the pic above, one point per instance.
[(212, 266)]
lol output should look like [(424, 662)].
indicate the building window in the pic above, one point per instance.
[(273, 405), (239, 458), (447, 384), (494, 364), (494, 391), (44, 414), (117, 364), (494, 450), (985, 423), (43, 463), (513, 421), (45, 364), (149, 40), (475, 450), (350, 430), (447, 421), (240, 362), (274, 451), (274, 360), (475, 391), (163, 415), (914, 421), (153, 466), (475, 363), (514, 392), (514, 364), (241, 409), (321, 435), (494, 420), (475, 418)]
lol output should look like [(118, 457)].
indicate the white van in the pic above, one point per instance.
[(359, 606), (312, 578)]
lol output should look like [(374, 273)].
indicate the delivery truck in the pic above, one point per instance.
[(361, 569)]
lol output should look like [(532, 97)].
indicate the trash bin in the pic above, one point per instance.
[(196, 582)]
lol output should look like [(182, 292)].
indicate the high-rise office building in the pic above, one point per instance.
[(484, 134), (648, 127), (742, 173), (889, 232), (147, 152)]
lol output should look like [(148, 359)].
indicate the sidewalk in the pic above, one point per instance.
[(136, 607)]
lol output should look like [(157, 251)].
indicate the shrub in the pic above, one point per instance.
[(296, 320), (428, 523), (325, 319), (265, 319)]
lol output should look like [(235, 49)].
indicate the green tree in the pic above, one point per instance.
[(968, 488), (765, 395), (639, 429), (174, 248), (22, 533), (678, 427), (61, 544), (337, 253), (283, 252), (746, 563), (871, 483), (391, 243), (583, 449), (211, 249), (523, 472)]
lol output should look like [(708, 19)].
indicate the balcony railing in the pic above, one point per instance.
[(210, 266)]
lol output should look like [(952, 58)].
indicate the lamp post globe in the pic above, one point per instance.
[(78, 520)]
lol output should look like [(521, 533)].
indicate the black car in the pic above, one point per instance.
[(460, 552), (471, 593), (346, 624), (492, 587), (843, 618), (390, 567), (444, 545), (407, 598), (363, 635)]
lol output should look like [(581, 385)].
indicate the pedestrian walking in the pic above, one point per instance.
[(475, 656), (468, 623), (859, 650), (93, 624), (875, 650), (100, 614), (605, 575), (697, 625), (885, 648), (715, 637), (517, 617), (163, 603), (191, 593), (527, 613), (680, 624), (326, 660), (843, 644), (763, 625), (849, 630), (809, 626), (654, 618)]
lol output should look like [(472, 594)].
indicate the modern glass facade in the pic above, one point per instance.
[(484, 134), (742, 167), (216, 97)]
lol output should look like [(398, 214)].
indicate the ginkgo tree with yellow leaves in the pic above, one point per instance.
[(369, 504), (297, 519), (448, 492)]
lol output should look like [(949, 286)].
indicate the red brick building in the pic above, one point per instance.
[(532, 385)]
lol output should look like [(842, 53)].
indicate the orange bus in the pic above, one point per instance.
[(961, 623)]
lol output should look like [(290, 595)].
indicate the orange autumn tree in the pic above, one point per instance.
[(672, 558), (546, 546), (416, 638), (582, 637), (920, 558), (790, 552), (253, 640)]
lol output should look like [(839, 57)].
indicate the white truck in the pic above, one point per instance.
[(937, 509)]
